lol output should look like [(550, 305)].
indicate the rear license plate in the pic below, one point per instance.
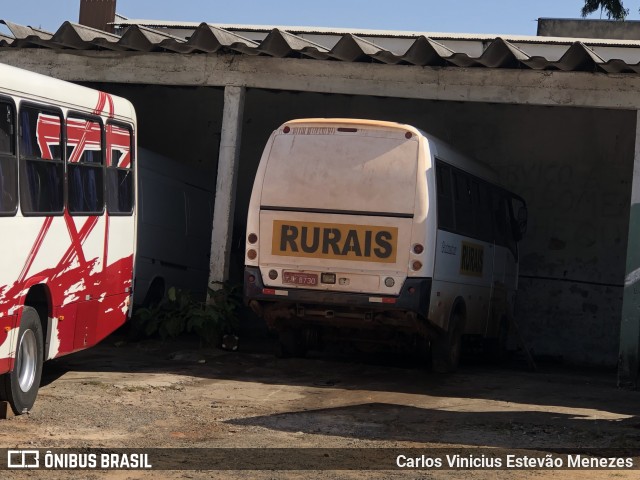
[(297, 278)]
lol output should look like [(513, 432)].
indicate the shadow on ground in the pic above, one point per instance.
[(549, 387), (504, 429)]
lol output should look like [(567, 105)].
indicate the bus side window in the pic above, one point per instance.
[(8, 161), (85, 166), (41, 165), (482, 211), (445, 198), (463, 204), (120, 183)]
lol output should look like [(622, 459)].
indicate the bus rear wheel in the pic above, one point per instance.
[(20, 386), (446, 348)]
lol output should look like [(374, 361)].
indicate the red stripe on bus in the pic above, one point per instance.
[(35, 247), (77, 241)]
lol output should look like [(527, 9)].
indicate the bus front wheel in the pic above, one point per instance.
[(20, 386), (446, 348)]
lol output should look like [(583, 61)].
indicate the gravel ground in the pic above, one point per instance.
[(152, 394)]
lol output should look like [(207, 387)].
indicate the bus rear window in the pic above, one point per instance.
[(366, 172)]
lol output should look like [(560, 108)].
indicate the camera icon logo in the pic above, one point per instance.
[(23, 459)]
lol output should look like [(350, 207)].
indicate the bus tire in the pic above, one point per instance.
[(291, 343), (446, 348), (20, 386)]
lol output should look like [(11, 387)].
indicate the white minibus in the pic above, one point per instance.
[(376, 231)]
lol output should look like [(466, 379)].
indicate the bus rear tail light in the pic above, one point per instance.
[(273, 291), (418, 249), (390, 300), (252, 254), (273, 274), (252, 238), (416, 265), (251, 278)]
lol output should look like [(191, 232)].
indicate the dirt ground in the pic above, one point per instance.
[(174, 394)]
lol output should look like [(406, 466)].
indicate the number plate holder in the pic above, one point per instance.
[(300, 278)]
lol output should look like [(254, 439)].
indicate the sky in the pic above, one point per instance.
[(515, 17)]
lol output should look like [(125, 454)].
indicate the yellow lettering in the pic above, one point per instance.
[(472, 259), (364, 243)]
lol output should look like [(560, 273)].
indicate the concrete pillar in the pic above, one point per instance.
[(228, 160), (630, 325)]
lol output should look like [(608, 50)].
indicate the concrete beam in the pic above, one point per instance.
[(228, 161), (628, 364), (526, 87)]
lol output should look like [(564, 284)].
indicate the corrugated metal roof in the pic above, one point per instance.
[(364, 32), (375, 46)]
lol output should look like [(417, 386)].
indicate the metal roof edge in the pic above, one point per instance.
[(363, 32)]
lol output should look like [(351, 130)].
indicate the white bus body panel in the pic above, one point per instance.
[(452, 280), (174, 234)]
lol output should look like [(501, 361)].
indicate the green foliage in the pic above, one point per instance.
[(614, 9), (178, 313)]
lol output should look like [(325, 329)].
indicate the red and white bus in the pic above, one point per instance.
[(67, 216)]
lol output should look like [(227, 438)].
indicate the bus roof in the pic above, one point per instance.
[(30, 85), (445, 152), (354, 121)]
